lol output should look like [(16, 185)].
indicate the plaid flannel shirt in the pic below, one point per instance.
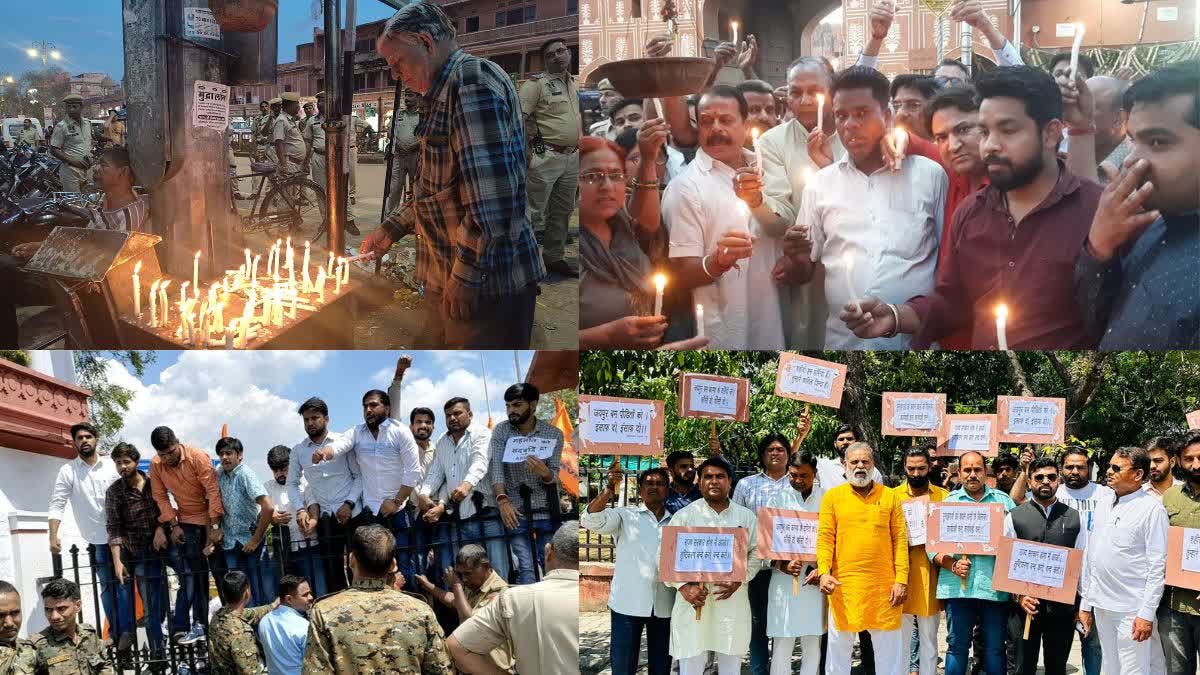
[(515, 475), (131, 516), (469, 209)]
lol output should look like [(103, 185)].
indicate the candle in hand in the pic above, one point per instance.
[(821, 113), (1001, 333), (699, 320), (734, 26), (660, 282), (900, 142), (1079, 33), (196, 270), (137, 290)]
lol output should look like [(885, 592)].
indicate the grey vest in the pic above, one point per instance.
[(1060, 529)]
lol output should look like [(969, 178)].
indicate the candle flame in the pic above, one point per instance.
[(848, 259), (699, 309), (154, 286), (821, 99), (164, 285), (137, 268), (660, 281), (1002, 311), (734, 24), (754, 134)]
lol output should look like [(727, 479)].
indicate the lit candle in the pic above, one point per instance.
[(277, 306), (291, 271), (292, 309), (240, 278), (289, 252), (660, 282), (329, 272), (733, 25), (196, 270), (137, 290), (900, 141), (337, 278), (183, 292), (821, 113), (242, 323), (154, 303), (1079, 33), (278, 255), (346, 272), (656, 108), (162, 300), (247, 252), (321, 285), (254, 270), (699, 320), (219, 316), (201, 336), (306, 262), (1001, 320), (248, 310), (270, 261), (848, 258), (757, 151)]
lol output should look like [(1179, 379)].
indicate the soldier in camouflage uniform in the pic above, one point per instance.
[(370, 628), (17, 656), (232, 648), (67, 647)]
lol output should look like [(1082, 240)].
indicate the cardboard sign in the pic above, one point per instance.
[(969, 433), (714, 397), (1043, 571), (787, 534), (517, 448), (620, 426), (1183, 557), (916, 512), (210, 105), (959, 528), (1030, 419), (909, 414), (1193, 419), (812, 380), (707, 554)]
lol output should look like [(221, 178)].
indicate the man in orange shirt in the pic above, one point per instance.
[(187, 474)]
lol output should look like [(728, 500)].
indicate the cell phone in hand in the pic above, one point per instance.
[(1079, 628)]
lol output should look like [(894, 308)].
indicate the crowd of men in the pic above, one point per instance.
[(870, 586), (1069, 198), (448, 521)]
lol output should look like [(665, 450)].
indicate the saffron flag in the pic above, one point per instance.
[(568, 466)]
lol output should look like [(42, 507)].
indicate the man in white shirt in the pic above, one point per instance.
[(387, 454), (874, 230), (1080, 493), (294, 551), (831, 472), (457, 482), (1164, 457), (637, 599), (718, 249), (83, 483), (1124, 569)]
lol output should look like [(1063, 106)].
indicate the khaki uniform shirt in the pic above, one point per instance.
[(30, 137), (232, 648), (83, 655), (314, 134), (287, 129), (370, 628), (552, 103), (540, 620), (487, 593), (18, 658), (73, 138)]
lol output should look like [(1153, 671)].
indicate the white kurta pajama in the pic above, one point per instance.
[(795, 616)]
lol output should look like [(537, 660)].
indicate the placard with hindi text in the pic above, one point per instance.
[(1183, 557), (620, 426), (1031, 419), (1043, 571), (912, 414), (811, 380), (960, 528), (714, 397), (704, 554), (969, 433), (786, 534)]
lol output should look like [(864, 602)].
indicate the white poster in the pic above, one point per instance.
[(210, 105), (808, 379), (1191, 550), (713, 396), (517, 448), (965, 435), (1035, 564), (914, 413), (704, 552), (914, 516), (1032, 417), (616, 422), (966, 525), (794, 535), (198, 22)]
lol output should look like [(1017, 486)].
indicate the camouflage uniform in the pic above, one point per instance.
[(370, 628), (19, 658), (84, 655), (232, 649)]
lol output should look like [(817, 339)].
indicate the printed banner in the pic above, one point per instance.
[(708, 554), (911, 414), (714, 397)]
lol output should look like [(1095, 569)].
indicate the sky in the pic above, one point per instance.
[(258, 393)]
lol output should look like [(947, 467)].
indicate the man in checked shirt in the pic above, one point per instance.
[(477, 259)]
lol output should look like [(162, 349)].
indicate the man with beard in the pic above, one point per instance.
[(1080, 493), (868, 223), (1136, 276), (526, 490), (387, 456), (637, 599), (922, 610), (1179, 620), (260, 131), (1164, 457), (1046, 520), (712, 230), (84, 482), (755, 492), (336, 486), (684, 487), (66, 645), (973, 602), (1124, 568), (760, 104), (832, 472), (292, 551), (626, 114), (1015, 241), (420, 420), (609, 96), (17, 656), (723, 628), (862, 565)]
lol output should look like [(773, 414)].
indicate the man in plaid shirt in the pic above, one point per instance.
[(477, 259)]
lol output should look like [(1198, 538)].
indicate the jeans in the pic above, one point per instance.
[(117, 598), (497, 322), (191, 567), (307, 563), (519, 540), (626, 643), (150, 573), (1180, 635), (257, 568), (760, 652), (486, 529), (961, 617), (406, 557)]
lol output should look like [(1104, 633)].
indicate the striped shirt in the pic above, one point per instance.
[(469, 208), (134, 217)]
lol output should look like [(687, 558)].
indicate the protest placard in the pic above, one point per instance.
[(1183, 557), (1031, 419), (960, 528), (210, 105), (705, 554), (517, 448), (1193, 419), (620, 426), (916, 511), (1044, 571), (911, 414), (969, 433), (787, 534), (812, 380), (714, 397)]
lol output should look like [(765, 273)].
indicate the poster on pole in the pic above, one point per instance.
[(210, 105), (1193, 419), (912, 414), (610, 425), (959, 528), (1044, 571), (199, 23), (811, 380), (969, 433), (1031, 419), (714, 397), (916, 513), (786, 534), (707, 554), (1183, 557)]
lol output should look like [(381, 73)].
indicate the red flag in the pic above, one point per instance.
[(568, 465)]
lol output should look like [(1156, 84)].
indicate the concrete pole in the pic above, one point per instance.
[(334, 147)]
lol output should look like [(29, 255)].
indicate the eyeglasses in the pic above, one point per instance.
[(598, 177)]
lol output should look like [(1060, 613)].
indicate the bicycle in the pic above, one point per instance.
[(293, 205)]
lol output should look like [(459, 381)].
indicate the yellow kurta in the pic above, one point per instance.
[(922, 574), (863, 542)]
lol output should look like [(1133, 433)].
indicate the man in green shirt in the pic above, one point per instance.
[(1180, 629)]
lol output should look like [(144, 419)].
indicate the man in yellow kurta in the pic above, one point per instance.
[(862, 560), (922, 607)]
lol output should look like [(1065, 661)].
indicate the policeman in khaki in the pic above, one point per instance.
[(67, 647), (232, 647), (17, 656), (260, 131), (314, 139), (285, 134), (71, 143)]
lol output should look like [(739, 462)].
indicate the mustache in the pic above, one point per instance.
[(997, 161)]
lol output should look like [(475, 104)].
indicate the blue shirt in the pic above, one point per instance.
[(676, 501), (979, 579), (283, 634), (240, 491)]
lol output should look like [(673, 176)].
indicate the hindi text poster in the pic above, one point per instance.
[(786, 534), (961, 528), (704, 554), (1031, 419), (1183, 557), (620, 426), (912, 414), (714, 397), (969, 433), (812, 380), (1044, 571)]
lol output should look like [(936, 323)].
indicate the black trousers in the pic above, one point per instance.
[(1050, 632), (500, 322)]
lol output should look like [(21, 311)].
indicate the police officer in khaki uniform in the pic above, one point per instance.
[(289, 142), (67, 647), (314, 139), (29, 136), (550, 104), (609, 96), (72, 143), (260, 131)]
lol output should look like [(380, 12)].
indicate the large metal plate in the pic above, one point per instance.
[(657, 77)]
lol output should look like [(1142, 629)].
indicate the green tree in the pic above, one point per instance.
[(109, 402), (50, 85), (17, 356)]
